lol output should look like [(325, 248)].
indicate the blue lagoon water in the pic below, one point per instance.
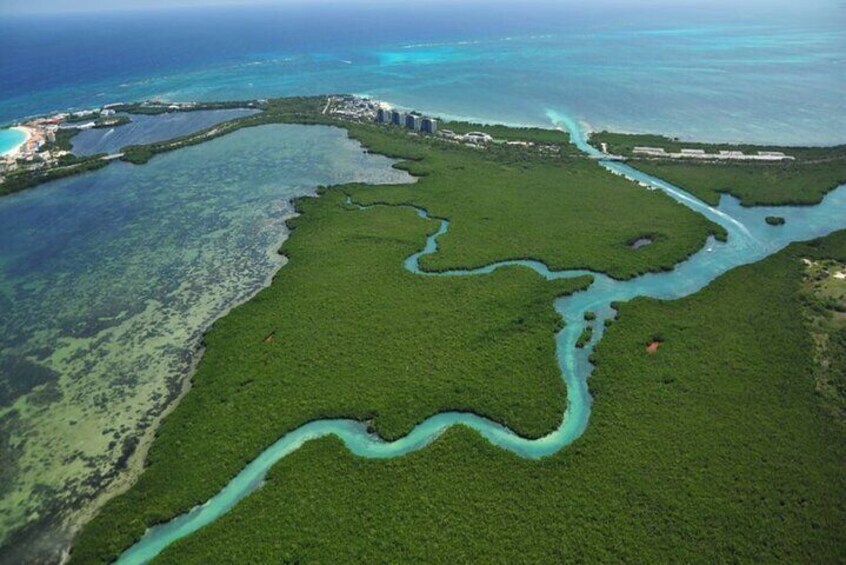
[(107, 282), (150, 129)]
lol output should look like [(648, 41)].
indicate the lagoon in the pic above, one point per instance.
[(145, 129), (107, 283)]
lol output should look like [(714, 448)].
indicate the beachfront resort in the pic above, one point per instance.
[(362, 109), (365, 110), (731, 155), (38, 149), (43, 144)]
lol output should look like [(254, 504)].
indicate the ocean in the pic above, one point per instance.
[(766, 72)]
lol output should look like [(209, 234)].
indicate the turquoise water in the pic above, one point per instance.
[(150, 129), (750, 239), (762, 71), (9, 139), (108, 281)]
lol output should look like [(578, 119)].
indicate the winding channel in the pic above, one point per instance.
[(750, 239)]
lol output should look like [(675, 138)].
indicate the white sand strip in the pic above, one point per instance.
[(16, 149)]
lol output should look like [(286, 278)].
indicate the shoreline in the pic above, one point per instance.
[(14, 151), (139, 154), (137, 461), (589, 128)]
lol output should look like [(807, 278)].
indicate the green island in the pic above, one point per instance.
[(112, 122), (775, 220), (719, 446), (585, 337), (808, 177)]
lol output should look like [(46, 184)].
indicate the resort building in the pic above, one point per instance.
[(650, 150), (723, 154), (413, 121), (429, 125), (478, 138)]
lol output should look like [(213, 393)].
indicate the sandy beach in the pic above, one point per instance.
[(15, 150)]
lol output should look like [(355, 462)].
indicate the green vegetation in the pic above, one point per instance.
[(716, 450), (755, 184), (71, 119), (63, 140), (830, 348), (585, 337), (527, 205), (112, 122), (775, 220), (726, 454), (69, 167), (824, 296), (501, 132), (590, 316), (624, 143), (815, 172), (346, 331), (508, 204), (100, 120), (155, 108)]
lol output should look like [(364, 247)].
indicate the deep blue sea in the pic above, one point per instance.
[(746, 71)]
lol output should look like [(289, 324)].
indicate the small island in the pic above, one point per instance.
[(775, 220)]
